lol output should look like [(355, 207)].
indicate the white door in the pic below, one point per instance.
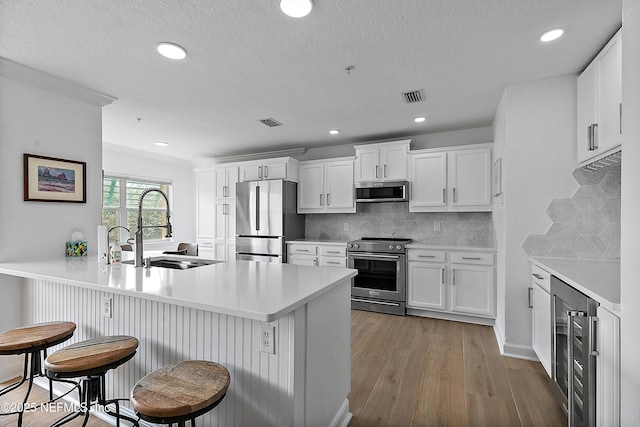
[(610, 97), (231, 174), (587, 110), (221, 183), (339, 186), (426, 286), (274, 170), (367, 164), (541, 319), (251, 171), (310, 187), (470, 179), (472, 290), (393, 163), (220, 236), (205, 221), (428, 180)]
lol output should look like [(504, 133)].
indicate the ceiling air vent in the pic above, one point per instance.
[(270, 122), (413, 96)]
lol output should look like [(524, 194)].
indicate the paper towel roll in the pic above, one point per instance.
[(103, 243)]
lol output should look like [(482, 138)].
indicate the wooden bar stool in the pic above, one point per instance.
[(90, 360), (181, 392), (33, 341)]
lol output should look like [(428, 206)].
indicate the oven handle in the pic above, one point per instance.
[(375, 302), (362, 255)]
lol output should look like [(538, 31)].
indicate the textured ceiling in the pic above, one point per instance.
[(247, 61)]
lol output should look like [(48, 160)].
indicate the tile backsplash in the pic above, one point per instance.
[(395, 220), (586, 225)]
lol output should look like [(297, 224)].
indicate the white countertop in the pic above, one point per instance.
[(249, 289), (597, 279), (416, 244)]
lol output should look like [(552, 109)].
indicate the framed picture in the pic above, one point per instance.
[(47, 179), (497, 177)]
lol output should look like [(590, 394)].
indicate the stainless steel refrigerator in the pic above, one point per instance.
[(266, 217)]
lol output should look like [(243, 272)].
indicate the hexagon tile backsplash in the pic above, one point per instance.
[(587, 225)]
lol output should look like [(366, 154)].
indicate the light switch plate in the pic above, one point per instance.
[(437, 225), (268, 339), (106, 307)]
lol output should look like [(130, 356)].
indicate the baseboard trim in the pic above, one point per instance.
[(519, 351), (450, 316), (343, 416), (12, 367)]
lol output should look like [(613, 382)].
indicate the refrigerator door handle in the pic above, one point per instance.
[(257, 208)]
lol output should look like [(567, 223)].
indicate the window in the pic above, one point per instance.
[(120, 199)]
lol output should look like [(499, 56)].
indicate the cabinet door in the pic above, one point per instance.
[(205, 221), (367, 164), (274, 170), (610, 96), (393, 163), (310, 188), (587, 110), (541, 321), (332, 262), (339, 186), (608, 369), (220, 236), (231, 174), (426, 286), (428, 181), (470, 178), (472, 290), (251, 171), (221, 183)]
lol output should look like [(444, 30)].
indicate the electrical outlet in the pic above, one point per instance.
[(268, 339), (437, 225), (346, 226), (106, 307)]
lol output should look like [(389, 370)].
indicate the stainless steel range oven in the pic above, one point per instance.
[(573, 316), (382, 274)]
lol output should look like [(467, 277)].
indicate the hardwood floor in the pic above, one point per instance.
[(414, 372), (417, 372)]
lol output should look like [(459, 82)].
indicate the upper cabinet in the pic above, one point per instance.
[(226, 179), (326, 186), (385, 161), (458, 179), (279, 168), (599, 119)]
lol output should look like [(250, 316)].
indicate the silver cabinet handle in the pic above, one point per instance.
[(595, 136), (453, 276), (333, 252), (376, 171), (530, 297), (384, 170), (426, 256), (593, 345), (454, 194), (266, 171), (320, 199), (537, 276), (260, 172), (620, 115), (442, 275), (589, 138), (302, 250), (328, 199), (444, 195), (333, 262), (472, 258)]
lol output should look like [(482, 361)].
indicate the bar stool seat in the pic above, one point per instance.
[(90, 360), (180, 392), (33, 341)]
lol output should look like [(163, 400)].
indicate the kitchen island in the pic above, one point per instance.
[(217, 312)]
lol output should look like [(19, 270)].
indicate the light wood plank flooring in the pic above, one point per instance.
[(414, 372)]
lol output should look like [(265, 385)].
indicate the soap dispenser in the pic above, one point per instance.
[(115, 254)]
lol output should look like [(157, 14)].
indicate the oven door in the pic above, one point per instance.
[(380, 276)]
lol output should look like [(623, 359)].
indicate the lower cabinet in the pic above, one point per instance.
[(540, 303), (461, 283), (608, 369), (317, 254)]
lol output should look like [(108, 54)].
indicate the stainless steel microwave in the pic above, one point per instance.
[(392, 191)]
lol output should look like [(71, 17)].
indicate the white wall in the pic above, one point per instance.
[(630, 226), (534, 134), (123, 161)]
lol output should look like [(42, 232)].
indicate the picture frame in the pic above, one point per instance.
[(497, 177), (49, 179)]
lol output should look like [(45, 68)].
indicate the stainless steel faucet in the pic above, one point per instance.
[(139, 261)]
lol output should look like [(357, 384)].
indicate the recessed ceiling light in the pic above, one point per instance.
[(551, 35), (296, 8), (419, 119), (334, 131), (171, 50), (162, 144)]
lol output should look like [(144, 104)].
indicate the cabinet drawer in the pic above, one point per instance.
[(333, 262), (426, 255), (303, 249), (205, 243), (541, 277), (311, 260), (472, 258), (339, 251)]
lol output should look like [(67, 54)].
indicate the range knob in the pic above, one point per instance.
[(350, 245), (399, 247), (356, 246), (390, 246)]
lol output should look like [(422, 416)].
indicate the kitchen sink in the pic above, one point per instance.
[(177, 262)]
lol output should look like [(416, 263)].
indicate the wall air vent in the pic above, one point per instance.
[(413, 96), (270, 122)]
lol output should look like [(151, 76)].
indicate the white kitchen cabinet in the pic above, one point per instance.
[(278, 168), (458, 179), (225, 231), (205, 203), (540, 302), (324, 254), (226, 179), (385, 161), (326, 187), (608, 369), (599, 102), (459, 283)]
